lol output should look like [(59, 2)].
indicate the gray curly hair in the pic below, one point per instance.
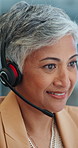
[(28, 27)]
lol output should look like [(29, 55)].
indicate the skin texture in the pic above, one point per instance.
[(42, 74), (49, 76)]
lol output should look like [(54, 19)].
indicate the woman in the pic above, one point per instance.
[(42, 41)]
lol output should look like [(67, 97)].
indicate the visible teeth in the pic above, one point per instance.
[(58, 94)]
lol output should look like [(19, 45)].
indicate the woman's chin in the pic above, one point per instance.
[(56, 109)]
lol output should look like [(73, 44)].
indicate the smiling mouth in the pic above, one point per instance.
[(59, 95)]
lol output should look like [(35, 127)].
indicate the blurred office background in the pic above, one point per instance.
[(71, 8)]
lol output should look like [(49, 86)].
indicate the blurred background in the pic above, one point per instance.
[(70, 7)]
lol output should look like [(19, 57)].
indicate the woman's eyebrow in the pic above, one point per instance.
[(73, 56), (56, 59), (50, 58)]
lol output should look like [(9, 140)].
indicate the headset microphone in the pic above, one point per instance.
[(11, 76), (46, 112)]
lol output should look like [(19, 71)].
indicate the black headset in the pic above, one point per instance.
[(10, 70), (11, 76)]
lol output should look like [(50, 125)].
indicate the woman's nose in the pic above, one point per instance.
[(62, 79)]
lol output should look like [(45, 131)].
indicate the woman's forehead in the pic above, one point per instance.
[(64, 48)]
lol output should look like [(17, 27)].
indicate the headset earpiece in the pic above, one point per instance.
[(11, 74), (10, 70)]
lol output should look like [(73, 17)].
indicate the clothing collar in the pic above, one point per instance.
[(67, 127), (13, 122)]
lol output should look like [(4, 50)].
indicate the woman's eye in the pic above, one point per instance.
[(73, 64), (49, 66)]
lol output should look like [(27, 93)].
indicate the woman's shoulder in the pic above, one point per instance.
[(1, 99), (73, 113), (4, 100), (71, 109)]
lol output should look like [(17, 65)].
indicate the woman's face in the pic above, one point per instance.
[(50, 73)]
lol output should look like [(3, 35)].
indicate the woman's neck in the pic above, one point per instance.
[(38, 125), (33, 118)]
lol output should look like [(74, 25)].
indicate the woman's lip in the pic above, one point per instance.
[(58, 95)]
